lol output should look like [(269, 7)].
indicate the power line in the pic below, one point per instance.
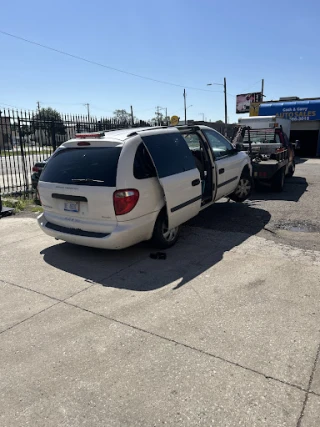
[(102, 65), (13, 106)]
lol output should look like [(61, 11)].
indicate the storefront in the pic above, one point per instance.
[(305, 122)]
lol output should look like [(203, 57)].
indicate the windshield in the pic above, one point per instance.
[(83, 166)]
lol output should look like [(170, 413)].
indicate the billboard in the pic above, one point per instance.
[(245, 99)]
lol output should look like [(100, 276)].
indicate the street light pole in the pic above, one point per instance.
[(224, 84)]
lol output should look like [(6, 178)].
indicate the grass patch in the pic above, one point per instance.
[(22, 205), (37, 209)]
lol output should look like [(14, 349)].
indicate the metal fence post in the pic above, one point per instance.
[(23, 157), (53, 135)]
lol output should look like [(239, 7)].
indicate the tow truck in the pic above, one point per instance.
[(271, 153)]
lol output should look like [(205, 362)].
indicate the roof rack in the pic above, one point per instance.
[(112, 130), (187, 127), (146, 129)]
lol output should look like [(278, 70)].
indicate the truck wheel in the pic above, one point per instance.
[(277, 183), (164, 238), (292, 169), (243, 190)]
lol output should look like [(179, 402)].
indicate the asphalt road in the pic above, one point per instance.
[(224, 332), (288, 217)]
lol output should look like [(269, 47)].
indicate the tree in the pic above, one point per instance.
[(50, 122), (122, 116), (45, 118)]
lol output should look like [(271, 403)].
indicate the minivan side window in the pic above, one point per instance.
[(170, 153), (221, 147), (142, 166)]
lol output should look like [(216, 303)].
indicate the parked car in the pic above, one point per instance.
[(115, 189), (36, 172)]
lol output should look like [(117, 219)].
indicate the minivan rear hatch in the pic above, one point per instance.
[(76, 187)]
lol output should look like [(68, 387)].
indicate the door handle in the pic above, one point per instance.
[(221, 171), (195, 182)]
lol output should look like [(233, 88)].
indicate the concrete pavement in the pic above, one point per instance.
[(224, 332)]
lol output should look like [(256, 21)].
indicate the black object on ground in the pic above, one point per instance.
[(158, 255), (5, 211)]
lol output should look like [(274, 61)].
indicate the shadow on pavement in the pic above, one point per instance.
[(300, 160), (294, 188), (203, 242)]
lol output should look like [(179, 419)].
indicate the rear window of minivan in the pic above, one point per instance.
[(83, 166)]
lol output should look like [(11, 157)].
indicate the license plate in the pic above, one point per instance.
[(71, 206)]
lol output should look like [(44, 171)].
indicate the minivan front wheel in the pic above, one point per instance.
[(163, 237), (243, 190)]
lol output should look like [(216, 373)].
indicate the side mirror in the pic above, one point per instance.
[(240, 147)]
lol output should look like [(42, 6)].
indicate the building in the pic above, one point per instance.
[(305, 121)]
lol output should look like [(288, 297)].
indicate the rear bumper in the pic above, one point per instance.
[(125, 234), (265, 170)]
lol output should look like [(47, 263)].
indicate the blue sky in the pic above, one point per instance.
[(190, 43)]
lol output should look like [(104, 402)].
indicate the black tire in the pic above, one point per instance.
[(292, 169), (162, 237), (277, 183), (244, 188)]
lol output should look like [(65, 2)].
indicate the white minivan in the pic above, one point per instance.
[(114, 189)]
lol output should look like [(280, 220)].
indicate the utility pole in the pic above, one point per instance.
[(157, 115), (38, 104), (88, 110), (185, 106), (262, 89), (225, 107), (132, 119), (167, 116)]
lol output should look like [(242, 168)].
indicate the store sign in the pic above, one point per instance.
[(254, 109), (244, 101), (295, 111)]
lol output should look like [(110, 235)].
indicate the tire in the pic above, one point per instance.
[(277, 183), (243, 190), (292, 169), (162, 237)]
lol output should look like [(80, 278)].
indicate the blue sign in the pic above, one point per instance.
[(295, 111)]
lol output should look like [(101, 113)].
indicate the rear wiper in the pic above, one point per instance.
[(86, 180)]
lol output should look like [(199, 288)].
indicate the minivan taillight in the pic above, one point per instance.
[(125, 200)]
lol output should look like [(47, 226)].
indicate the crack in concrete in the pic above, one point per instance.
[(230, 362), (309, 386), (145, 331)]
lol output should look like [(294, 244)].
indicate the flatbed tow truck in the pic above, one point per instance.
[(271, 154)]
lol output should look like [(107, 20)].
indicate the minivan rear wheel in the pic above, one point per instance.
[(163, 237)]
